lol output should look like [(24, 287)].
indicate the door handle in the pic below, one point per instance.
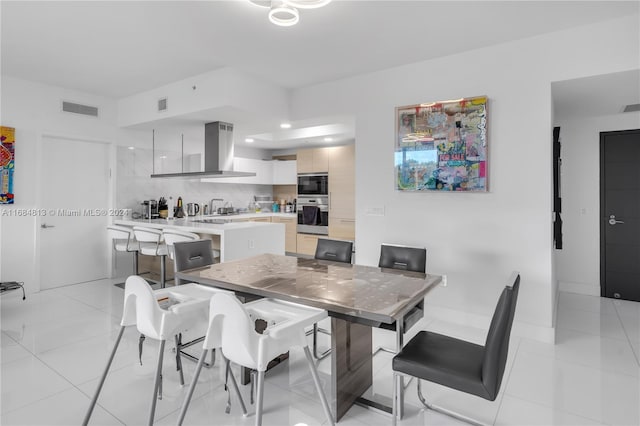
[(45, 226), (613, 221)]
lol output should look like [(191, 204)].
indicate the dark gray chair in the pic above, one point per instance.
[(192, 254), (406, 258), (336, 251), (403, 257), (459, 364)]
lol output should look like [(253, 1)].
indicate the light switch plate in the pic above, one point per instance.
[(374, 211)]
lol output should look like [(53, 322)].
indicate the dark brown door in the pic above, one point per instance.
[(620, 214)]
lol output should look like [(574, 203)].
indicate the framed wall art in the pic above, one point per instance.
[(7, 164), (442, 146)]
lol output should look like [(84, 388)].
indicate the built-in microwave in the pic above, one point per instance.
[(313, 184)]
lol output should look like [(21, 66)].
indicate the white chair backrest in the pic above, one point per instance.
[(147, 235), (231, 328), (117, 232), (141, 308), (172, 236)]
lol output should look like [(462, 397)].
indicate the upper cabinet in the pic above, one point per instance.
[(268, 172), (313, 160), (285, 172)]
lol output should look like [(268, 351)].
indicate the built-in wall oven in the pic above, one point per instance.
[(311, 184), (313, 214)]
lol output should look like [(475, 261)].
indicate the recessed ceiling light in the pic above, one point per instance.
[(285, 125), (328, 139), (131, 147), (249, 140), (162, 157)]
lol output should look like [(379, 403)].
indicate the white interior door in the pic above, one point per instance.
[(75, 188)]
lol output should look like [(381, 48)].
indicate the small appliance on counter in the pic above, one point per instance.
[(193, 209), (150, 209)]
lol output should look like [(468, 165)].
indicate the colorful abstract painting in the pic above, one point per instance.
[(7, 164), (442, 146)]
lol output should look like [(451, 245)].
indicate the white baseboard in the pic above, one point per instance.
[(579, 288), (520, 329)]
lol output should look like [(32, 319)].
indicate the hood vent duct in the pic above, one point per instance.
[(218, 155)]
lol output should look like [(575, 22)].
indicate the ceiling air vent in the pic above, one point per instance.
[(631, 108), (162, 104), (79, 109)]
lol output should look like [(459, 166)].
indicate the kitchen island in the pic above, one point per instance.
[(234, 240)]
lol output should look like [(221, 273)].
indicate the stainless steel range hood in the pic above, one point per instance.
[(218, 155)]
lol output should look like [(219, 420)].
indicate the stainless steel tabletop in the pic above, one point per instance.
[(375, 295)]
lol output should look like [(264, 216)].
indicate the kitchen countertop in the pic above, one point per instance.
[(190, 224)]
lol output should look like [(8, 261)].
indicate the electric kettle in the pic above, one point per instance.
[(193, 209)]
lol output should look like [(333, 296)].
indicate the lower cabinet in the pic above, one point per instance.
[(307, 244), (343, 229), (290, 236), (261, 219)]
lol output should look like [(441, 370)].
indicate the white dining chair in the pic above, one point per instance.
[(232, 327)]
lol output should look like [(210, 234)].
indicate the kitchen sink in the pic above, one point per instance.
[(215, 220)]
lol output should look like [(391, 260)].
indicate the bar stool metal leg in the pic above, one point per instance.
[(163, 270)]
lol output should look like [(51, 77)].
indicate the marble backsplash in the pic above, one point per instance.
[(133, 185)]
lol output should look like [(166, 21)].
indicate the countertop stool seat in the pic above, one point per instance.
[(151, 244), (124, 241)]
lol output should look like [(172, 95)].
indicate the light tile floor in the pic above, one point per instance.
[(55, 344)]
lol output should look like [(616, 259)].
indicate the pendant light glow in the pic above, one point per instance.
[(284, 15), (307, 4)]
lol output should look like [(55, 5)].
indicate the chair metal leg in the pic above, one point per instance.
[(163, 270), (394, 409), (260, 397), (324, 354), (192, 387), (236, 389), (316, 380), (104, 376), (135, 262), (156, 385), (178, 338), (445, 411)]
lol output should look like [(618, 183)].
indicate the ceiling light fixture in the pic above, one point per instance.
[(285, 126), (284, 13), (249, 140), (327, 139)]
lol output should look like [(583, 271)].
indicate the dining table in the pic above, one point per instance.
[(357, 298)]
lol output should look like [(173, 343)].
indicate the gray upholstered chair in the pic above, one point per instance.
[(336, 251), (459, 364), (414, 259)]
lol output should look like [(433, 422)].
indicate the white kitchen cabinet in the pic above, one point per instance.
[(285, 172), (268, 172)]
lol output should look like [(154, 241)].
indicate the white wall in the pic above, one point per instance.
[(34, 110), (476, 239), (578, 263)]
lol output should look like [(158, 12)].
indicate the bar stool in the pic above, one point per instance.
[(150, 242), (124, 241), (159, 315)]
